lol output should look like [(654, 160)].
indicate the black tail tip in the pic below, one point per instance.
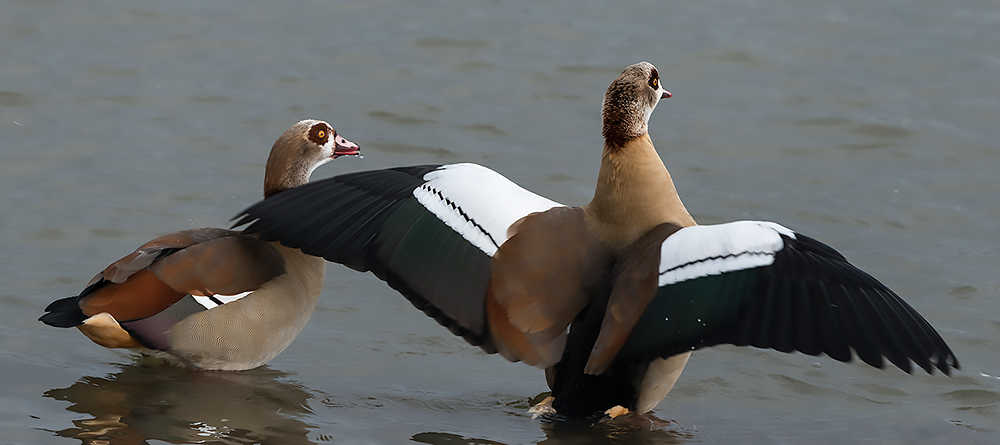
[(63, 313)]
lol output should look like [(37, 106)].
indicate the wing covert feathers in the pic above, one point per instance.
[(540, 282), (635, 286)]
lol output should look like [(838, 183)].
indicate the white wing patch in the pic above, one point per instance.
[(698, 251), (216, 300), (478, 203)]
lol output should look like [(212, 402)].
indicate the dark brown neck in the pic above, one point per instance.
[(622, 119)]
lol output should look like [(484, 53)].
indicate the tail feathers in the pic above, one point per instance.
[(63, 313)]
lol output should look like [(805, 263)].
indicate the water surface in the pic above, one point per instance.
[(871, 125)]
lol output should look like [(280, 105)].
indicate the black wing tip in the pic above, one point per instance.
[(943, 365), (943, 362)]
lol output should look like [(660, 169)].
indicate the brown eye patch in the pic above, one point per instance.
[(654, 79), (320, 133)]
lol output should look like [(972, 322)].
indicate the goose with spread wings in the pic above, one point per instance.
[(609, 298)]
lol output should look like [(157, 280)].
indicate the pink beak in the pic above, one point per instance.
[(344, 147)]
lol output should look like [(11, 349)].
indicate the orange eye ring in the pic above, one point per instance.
[(321, 134)]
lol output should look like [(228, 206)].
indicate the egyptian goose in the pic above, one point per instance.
[(609, 298), (212, 298)]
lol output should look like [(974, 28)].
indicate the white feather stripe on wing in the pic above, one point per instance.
[(478, 203), (700, 251)]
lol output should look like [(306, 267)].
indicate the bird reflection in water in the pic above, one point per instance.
[(628, 429), (148, 400)]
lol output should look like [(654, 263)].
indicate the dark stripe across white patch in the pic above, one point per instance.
[(216, 300), (699, 251), (478, 203)]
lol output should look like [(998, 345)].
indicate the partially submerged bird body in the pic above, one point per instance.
[(212, 298), (609, 298)]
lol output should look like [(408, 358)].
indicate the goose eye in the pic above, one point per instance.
[(319, 134), (654, 79)]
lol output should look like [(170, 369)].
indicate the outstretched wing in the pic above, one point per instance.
[(758, 284), (429, 231)]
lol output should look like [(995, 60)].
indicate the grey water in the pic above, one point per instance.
[(871, 125)]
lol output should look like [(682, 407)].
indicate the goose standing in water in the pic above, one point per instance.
[(212, 298), (609, 298)]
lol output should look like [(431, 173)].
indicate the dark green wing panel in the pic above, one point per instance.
[(370, 221), (810, 299)]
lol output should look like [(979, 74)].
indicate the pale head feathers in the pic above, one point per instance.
[(299, 151), (629, 102)]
